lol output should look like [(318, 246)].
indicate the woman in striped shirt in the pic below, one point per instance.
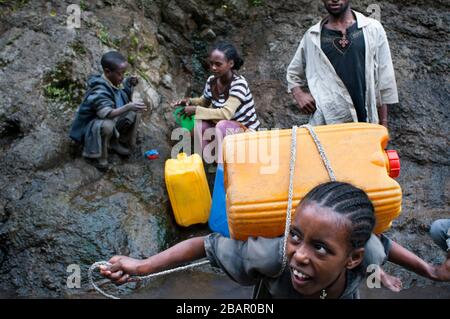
[(227, 103)]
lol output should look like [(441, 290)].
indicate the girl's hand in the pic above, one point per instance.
[(189, 110), (182, 102), (121, 268), (390, 282), (443, 271)]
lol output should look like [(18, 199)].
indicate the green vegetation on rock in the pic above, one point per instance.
[(59, 85)]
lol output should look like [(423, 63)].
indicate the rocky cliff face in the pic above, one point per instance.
[(57, 210)]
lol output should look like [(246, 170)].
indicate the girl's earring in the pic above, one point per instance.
[(323, 294)]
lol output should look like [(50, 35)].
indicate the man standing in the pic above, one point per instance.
[(342, 70)]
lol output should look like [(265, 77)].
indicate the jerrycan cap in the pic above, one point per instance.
[(394, 163), (181, 156)]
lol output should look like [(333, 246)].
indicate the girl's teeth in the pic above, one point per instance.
[(299, 274)]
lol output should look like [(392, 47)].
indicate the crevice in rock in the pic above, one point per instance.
[(10, 131)]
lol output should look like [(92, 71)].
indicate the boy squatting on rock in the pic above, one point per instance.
[(107, 118)]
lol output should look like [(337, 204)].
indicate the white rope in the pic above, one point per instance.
[(322, 153), (293, 155), (287, 226), (138, 278)]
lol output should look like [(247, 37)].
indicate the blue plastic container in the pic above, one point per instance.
[(151, 154), (218, 221)]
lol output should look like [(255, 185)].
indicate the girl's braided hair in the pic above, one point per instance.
[(348, 200)]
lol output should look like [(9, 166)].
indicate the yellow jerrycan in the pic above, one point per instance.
[(188, 189), (256, 174)]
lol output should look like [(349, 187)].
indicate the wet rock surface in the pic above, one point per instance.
[(56, 209)]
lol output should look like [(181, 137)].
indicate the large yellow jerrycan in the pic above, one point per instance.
[(256, 174), (188, 189)]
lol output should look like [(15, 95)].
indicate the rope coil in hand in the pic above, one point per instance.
[(139, 278)]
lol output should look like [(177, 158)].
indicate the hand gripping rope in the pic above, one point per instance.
[(139, 278)]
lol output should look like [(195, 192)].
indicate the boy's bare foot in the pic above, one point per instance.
[(390, 282), (120, 149), (102, 164)]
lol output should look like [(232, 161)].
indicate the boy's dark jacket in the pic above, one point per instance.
[(100, 94)]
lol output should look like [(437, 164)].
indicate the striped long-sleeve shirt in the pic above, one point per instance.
[(243, 111)]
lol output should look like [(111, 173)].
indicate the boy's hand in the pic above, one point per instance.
[(182, 102), (134, 80), (137, 106), (121, 268)]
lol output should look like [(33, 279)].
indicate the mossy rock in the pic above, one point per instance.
[(78, 47), (60, 86)]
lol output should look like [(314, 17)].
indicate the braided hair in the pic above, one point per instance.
[(230, 53), (347, 200)]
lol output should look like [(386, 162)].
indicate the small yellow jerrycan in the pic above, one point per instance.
[(188, 189)]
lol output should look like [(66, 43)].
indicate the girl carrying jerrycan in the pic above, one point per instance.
[(326, 254), (226, 104)]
